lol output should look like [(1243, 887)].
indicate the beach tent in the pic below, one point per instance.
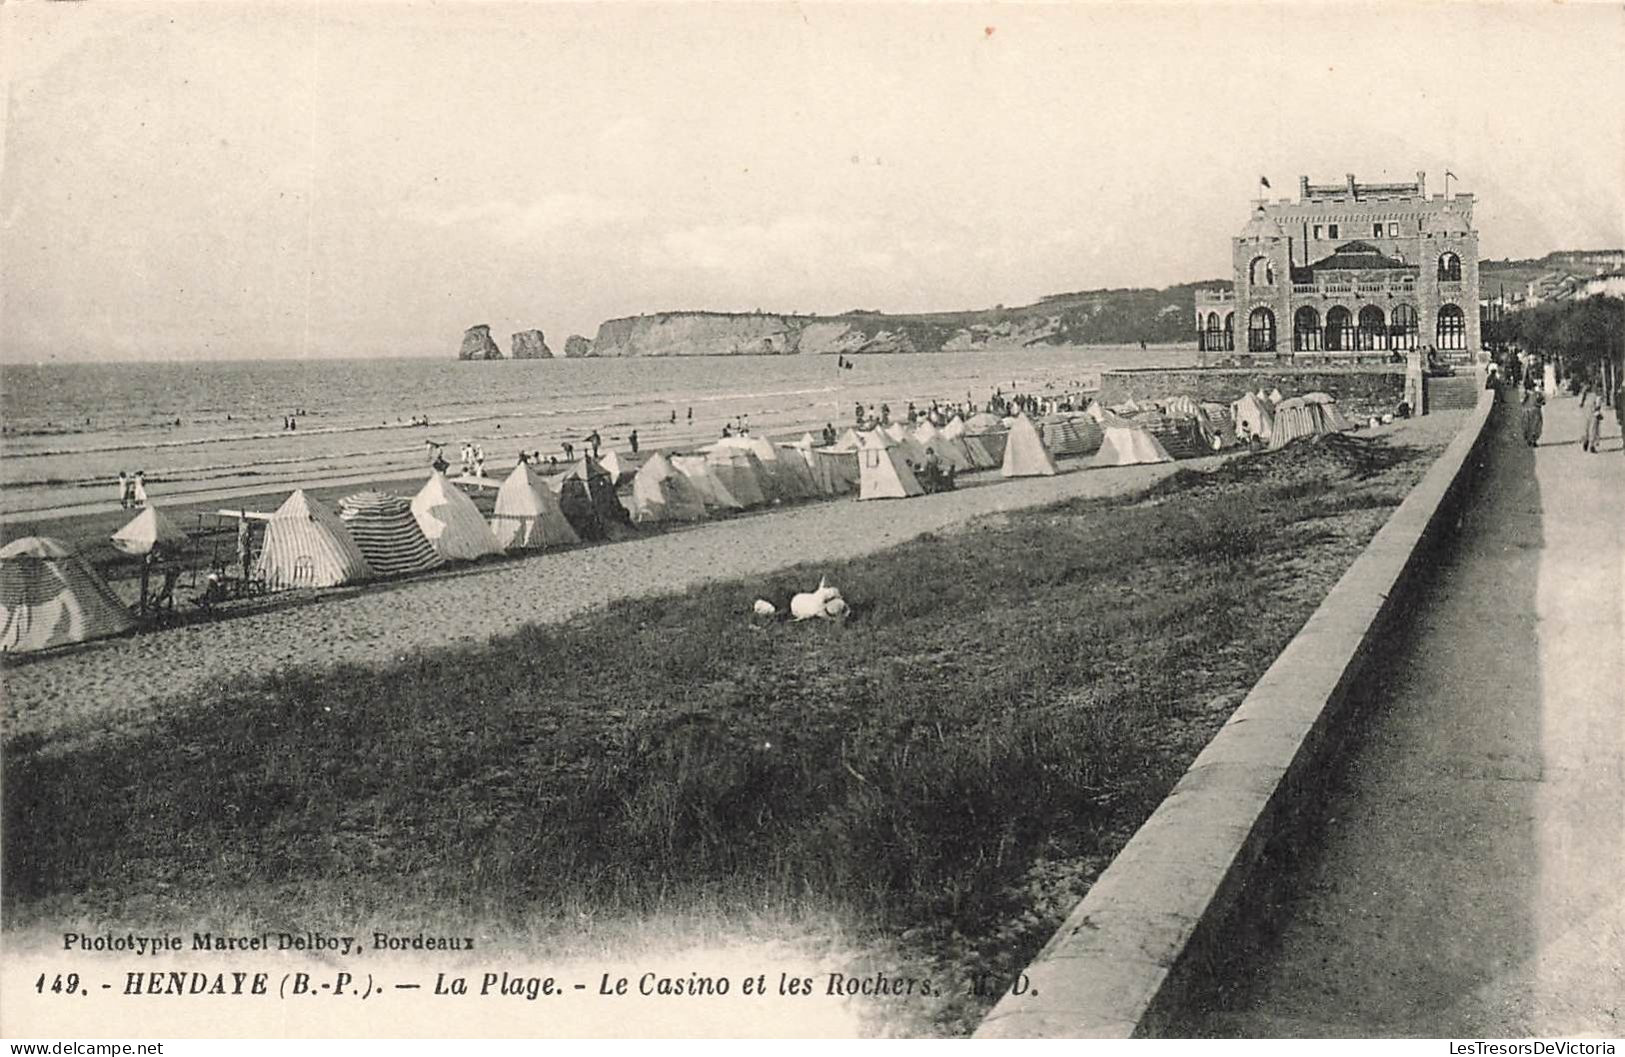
[(983, 422), (1097, 411), (1024, 451), (951, 451), (1181, 407), (527, 515), (1126, 443), (796, 468), (882, 472), (1336, 421), (660, 493), (387, 533), (451, 522), (819, 474), (50, 597), (587, 498), (848, 441), (1220, 426), (740, 473), (1180, 437), (613, 466), (782, 480), (1070, 434), (148, 531), (1295, 418), (1253, 417), (307, 545), (697, 470), (954, 428)]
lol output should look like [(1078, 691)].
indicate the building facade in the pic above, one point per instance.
[(1347, 272)]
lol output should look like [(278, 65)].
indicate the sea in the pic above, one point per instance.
[(203, 429)]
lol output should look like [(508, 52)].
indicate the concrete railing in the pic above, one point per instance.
[(1131, 950)]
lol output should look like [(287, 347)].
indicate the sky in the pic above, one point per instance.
[(222, 180)]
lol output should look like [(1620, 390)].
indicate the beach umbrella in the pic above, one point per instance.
[(149, 530)]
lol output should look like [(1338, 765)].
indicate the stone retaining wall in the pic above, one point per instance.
[(1360, 390), (1161, 914)]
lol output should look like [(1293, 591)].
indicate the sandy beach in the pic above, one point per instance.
[(105, 685)]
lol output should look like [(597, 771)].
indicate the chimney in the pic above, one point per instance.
[(1351, 186), (1421, 184), (1303, 188)]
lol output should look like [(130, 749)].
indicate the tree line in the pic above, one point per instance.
[(1585, 338)]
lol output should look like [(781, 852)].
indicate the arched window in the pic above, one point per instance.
[(1261, 331), (1339, 330), (1402, 328), (1306, 330), (1229, 331), (1373, 333), (1212, 334), (1452, 328), (1261, 272), (1450, 268)]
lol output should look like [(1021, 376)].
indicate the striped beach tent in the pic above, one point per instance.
[(588, 500), (660, 493), (50, 597), (1295, 418), (1336, 421), (451, 522), (149, 530), (527, 515), (1024, 452), (1180, 437), (307, 545), (387, 533)]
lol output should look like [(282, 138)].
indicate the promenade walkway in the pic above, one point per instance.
[(1469, 879)]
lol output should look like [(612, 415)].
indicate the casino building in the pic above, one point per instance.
[(1349, 272)]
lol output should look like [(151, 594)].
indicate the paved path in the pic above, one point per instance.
[(1471, 878)]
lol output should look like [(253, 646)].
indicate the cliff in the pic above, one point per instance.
[(530, 345), (576, 346), (1092, 317), (477, 344)]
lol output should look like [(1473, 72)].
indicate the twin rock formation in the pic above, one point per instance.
[(526, 345)]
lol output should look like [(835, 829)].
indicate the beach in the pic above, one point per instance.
[(103, 686)]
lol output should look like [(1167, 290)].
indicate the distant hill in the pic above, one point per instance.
[(1086, 317), (1516, 275)]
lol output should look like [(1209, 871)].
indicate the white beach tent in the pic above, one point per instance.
[(1024, 451), (612, 463), (1125, 444), (660, 493), (527, 514), (50, 597), (1253, 417), (387, 534), (740, 473), (950, 451), (851, 440), (882, 472), (697, 470), (149, 530), (307, 545), (451, 522)]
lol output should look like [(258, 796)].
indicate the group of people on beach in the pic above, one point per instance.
[(132, 491)]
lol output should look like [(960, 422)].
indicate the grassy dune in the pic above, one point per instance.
[(949, 769)]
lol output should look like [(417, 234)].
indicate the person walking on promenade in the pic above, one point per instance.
[(1533, 417), (123, 490), (1592, 406)]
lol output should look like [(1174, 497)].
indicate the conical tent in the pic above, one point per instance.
[(1024, 451), (796, 474), (983, 422), (697, 470), (851, 440), (883, 473), (1253, 417), (149, 530), (50, 597), (660, 493), (954, 428), (306, 545), (741, 474), (527, 516), (587, 498), (387, 533), (1097, 411), (611, 462), (451, 522), (1126, 445), (950, 451)]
